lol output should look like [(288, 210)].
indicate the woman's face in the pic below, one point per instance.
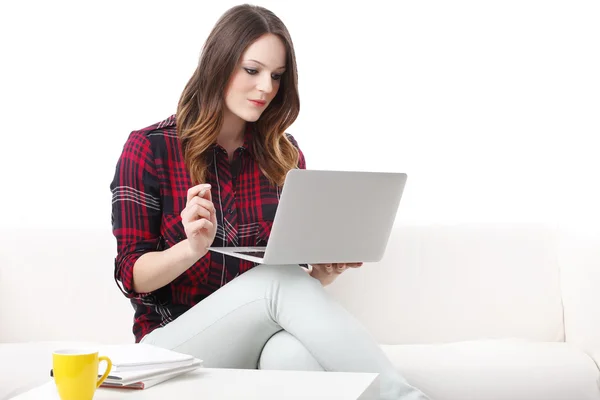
[(256, 79)]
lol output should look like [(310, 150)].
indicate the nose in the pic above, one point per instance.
[(265, 83)]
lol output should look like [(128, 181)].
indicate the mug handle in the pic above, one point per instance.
[(108, 368)]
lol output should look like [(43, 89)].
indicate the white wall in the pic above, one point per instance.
[(491, 107)]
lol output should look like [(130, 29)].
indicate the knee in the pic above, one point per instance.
[(284, 352)]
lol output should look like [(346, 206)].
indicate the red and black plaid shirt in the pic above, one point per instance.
[(149, 190)]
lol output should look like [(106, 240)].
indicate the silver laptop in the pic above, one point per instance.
[(329, 217)]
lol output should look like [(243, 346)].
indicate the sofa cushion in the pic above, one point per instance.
[(498, 370), (445, 284)]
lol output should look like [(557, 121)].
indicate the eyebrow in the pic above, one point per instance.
[(258, 62)]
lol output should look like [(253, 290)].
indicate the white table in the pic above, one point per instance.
[(209, 383)]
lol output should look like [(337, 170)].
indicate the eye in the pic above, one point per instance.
[(276, 76), (251, 71)]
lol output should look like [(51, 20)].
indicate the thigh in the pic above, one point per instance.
[(230, 327), (284, 352)]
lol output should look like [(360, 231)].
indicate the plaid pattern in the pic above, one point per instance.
[(149, 191)]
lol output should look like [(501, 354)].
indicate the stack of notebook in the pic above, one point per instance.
[(140, 366)]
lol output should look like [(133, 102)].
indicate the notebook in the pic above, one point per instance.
[(141, 356), (141, 385), (146, 378)]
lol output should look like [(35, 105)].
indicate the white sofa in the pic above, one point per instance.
[(486, 312)]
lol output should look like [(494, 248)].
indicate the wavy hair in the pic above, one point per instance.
[(200, 111)]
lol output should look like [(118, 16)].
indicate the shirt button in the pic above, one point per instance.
[(230, 211)]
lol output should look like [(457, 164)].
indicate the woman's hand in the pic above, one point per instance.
[(199, 219), (326, 273)]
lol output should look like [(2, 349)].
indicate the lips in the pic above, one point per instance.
[(259, 103)]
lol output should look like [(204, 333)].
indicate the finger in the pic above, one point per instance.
[(213, 217), (209, 205), (340, 268), (195, 209), (354, 265), (197, 226), (205, 194), (328, 268), (202, 212), (184, 214), (195, 191), (195, 212)]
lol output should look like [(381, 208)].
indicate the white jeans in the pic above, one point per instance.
[(270, 311)]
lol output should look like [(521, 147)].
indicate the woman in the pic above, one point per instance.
[(211, 175)]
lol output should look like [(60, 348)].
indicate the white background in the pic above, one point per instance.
[(491, 107)]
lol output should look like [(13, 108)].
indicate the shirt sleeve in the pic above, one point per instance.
[(136, 208), (301, 159)]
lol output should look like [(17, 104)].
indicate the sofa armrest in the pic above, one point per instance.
[(579, 260)]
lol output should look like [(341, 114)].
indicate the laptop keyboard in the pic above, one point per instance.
[(252, 253)]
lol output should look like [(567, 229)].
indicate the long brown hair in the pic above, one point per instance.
[(200, 109)]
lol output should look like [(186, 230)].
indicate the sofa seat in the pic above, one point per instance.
[(474, 370), (498, 370)]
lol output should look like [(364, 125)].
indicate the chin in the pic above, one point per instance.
[(251, 117)]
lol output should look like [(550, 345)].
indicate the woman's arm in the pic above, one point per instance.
[(136, 220), (156, 269)]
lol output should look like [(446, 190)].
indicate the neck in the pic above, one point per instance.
[(232, 131)]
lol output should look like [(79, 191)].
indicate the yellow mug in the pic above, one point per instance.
[(76, 373)]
